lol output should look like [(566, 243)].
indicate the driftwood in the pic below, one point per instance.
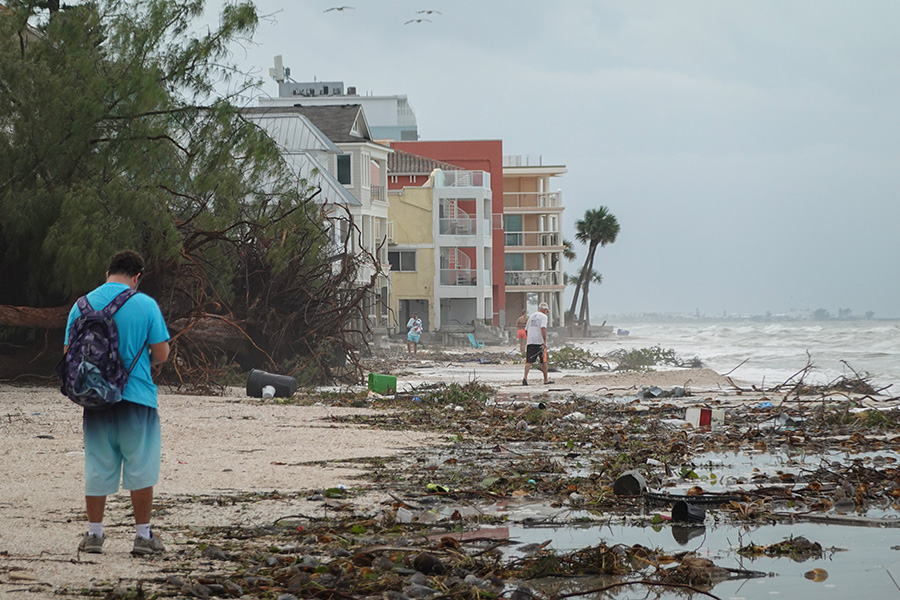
[(28, 316)]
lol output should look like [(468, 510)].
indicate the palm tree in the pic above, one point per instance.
[(599, 227), (585, 315)]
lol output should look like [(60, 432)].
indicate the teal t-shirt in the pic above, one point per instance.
[(140, 323)]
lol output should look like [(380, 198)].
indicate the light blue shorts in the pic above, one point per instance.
[(122, 442), (412, 337)]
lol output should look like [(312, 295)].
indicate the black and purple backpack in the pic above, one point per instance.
[(92, 373)]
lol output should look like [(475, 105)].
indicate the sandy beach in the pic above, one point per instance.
[(217, 449)]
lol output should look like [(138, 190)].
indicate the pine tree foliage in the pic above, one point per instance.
[(111, 137)]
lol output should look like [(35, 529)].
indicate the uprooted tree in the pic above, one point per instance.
[(111, 137)]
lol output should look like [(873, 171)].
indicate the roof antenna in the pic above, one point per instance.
[(279, 72)]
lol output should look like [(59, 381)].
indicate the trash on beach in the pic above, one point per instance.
[(684, 512), (657, 392), (284, 385), (705, 417), (383, 384), (788, 423), (630, 483)]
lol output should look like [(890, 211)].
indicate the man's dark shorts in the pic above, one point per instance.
[(534, 353)]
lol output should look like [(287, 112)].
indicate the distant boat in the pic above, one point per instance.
[(622, 332)]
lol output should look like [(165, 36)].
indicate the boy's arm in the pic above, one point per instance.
[(159, 352)]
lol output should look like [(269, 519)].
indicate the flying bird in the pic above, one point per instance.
[(417, 21), (340, 8), (428, 12)]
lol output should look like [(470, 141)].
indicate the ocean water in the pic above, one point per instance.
[(770, 353)]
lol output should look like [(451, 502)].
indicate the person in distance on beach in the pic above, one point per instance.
[(414, 334), (536, 349), (521, 334), (123, 441)]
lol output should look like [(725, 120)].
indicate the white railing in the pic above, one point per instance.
[(377, 192), (523, 160), (531, 200), (463, 179), (532, 238), (533, 278), (457, 226), (467, 277)]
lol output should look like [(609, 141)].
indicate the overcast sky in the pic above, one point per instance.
[(750, 150)]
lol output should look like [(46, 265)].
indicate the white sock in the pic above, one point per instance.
[(143, 530), (95, 529)]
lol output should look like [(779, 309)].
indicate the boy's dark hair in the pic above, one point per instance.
[(126, 262)]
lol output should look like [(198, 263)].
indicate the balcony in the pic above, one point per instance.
[(541, 239), (462, 277), (478, 179), (457, 226), (528, 278), (377, 192), (526, 201)]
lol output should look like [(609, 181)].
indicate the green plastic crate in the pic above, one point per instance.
[(383, 384)]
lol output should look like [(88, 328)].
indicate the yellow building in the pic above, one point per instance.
[(411, 255)]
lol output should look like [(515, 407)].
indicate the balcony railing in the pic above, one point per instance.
[(479, 179), (377, 192), (533, 278), (532, 238), (467, 277), (531, 200), (457, 226)]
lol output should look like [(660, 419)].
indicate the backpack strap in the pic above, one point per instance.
[(136, 358), (84, 306), (117, 302)]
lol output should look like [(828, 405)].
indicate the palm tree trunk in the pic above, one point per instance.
[(583, 279), (585, 315)]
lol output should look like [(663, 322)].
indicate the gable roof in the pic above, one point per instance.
[(292, 131), (341, 123), (401, 162)]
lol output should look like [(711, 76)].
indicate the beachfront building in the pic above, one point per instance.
[(441, 253), (532, 226), (472, 155), (332, 147), (389, 117)]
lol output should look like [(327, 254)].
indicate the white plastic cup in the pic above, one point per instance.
[(268, 391)]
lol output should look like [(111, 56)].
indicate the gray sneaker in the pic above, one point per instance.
[(145, 547), (91, 544)]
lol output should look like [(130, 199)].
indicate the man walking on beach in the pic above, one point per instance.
[(536, 350), (125, 438)]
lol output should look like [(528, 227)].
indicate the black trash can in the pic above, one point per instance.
[(629, 483), (284, 385), (687, 513)]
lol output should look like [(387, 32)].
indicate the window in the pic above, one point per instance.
[(343, 168), (515, 262), (402, 260)]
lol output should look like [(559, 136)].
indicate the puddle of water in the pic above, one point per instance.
[(869, 559)]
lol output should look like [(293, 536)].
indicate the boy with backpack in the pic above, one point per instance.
[(122, 437)]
